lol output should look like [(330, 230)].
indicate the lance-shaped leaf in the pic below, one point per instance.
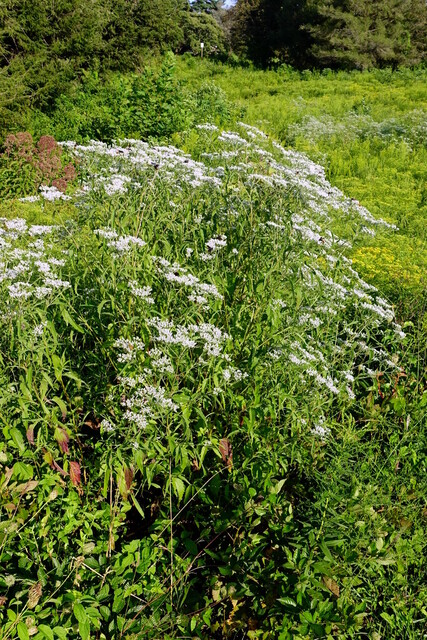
[(226, 452), (62, 438), (75, 473)]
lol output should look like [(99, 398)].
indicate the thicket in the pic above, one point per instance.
[(45, 47)]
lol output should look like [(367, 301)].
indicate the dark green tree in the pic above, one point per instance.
[(364, 33), (265, 30), (45, 45), (140, 26)]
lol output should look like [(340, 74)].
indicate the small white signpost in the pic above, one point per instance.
[(202, 46)]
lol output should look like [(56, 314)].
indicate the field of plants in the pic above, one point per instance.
[(369, 132), (213, 338)]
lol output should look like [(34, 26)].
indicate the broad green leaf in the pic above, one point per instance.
[(84, 629), (179, 487), (46, 631), (79, 612), (22, 630), (17, 439), (288, 601)]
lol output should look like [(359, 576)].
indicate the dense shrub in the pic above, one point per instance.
[(152, 103)]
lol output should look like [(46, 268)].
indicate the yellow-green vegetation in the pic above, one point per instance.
[(368, 129)]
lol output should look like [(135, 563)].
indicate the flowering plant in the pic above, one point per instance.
[(26, 165)]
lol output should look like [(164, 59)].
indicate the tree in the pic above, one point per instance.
[(263, 30), (205, 6), (45, 45), (202, 27), (364, 34)]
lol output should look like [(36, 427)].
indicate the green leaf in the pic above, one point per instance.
[(22, 471), (17, 439), (58, 366), (287, 601), (385, 561), (80, 612), (118, 604), (46, 631), (69, 320), (22, 630), (61, 404), (326, 551), (60, 632), (179, 487), (318, 630), (84, 629), (10, 612)]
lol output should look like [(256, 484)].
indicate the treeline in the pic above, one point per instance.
[(351, 34), (46, 46)]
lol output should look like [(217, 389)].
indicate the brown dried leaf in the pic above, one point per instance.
[(8, 472), (34, 595), (56, 466), (93, 423), (30, 435), (128, 478), (3, 601), (226, 452), (26, 487), (75, 473), (331, 585)]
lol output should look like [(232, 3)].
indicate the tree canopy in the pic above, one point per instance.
[(364, 34), (338, 33)]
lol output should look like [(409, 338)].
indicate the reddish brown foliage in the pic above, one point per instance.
[(226, 452), (75, 474), (45, 159)]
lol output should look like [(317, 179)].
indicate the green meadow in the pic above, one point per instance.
[(367, 129)]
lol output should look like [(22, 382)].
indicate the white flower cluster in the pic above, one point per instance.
[(39, 329), (142, 400), (211, 338), (52, 194), (212, 247), (231, 373), (141, 292), (129, 349), (160, 362), (30, 271), (320, 429), (121, 244), (169, 164), (180, 275)]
